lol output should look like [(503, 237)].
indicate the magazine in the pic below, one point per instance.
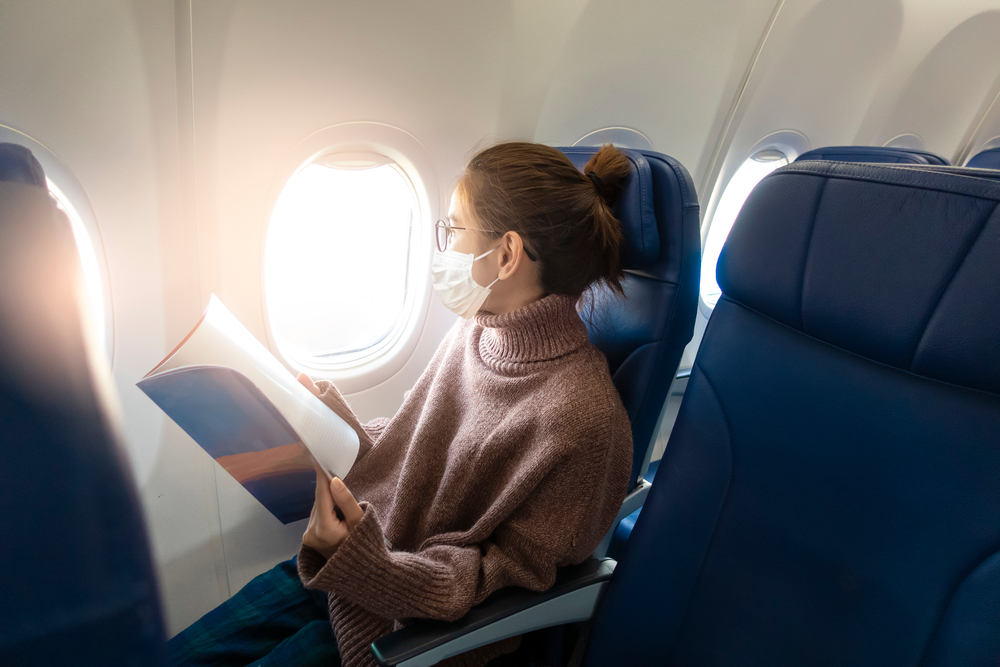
[(243, 407)]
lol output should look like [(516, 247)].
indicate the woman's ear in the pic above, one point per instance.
[(511, 251)]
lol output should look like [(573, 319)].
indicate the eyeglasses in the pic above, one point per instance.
[(445, 234)]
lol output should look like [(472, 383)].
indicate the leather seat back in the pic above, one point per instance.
[(76, 577), (644, 335), (830, 494), (875, 154)]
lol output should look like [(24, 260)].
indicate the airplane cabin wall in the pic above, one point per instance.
[(177, 116)]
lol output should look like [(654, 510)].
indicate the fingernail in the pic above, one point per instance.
[(337, 483)]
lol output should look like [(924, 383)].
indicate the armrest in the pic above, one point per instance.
[(632, 502), (506, 613)]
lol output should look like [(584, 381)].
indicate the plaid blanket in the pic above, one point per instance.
[(271, 621)]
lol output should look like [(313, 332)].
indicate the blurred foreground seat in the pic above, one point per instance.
[(77, 585)]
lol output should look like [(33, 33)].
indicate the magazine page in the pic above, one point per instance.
[(220, 340), (229, 417)]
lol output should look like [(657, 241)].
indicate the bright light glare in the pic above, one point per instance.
[(742, 183), (336, 258), (88, 261)]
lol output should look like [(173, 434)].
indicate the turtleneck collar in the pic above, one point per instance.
[(545, 329)]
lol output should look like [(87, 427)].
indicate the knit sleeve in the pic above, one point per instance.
[(441, 582), (561, 522), (367, 433)]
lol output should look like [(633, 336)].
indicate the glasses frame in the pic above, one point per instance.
[(442, 225)]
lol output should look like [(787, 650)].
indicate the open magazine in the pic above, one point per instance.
[(244, 408)]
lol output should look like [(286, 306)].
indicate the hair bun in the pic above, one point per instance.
[(598, 183), (607, 170)]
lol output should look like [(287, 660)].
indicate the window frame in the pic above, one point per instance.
[(59, 174), (408, 156), (351, 358), (791, 143), (618, 135)]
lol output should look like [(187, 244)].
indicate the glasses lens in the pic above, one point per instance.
[(441, 234)]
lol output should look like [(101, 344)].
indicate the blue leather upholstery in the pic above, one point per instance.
[(644, 335), (871, 154), (988, 159), (830, 494), (878, 154), (624, 528), (76, 580)]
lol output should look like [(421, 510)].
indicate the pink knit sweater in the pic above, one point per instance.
[(509, 458)]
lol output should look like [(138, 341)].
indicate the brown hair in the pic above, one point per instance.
[(564, 216)]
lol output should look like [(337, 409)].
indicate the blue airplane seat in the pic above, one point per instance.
[(870, 154), (988, 159), (77, 585), (830, 493), (877, 154), (644, 335)]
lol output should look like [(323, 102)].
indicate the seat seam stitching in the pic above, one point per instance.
[(805, 261), (791, 171), (951, 279), (855, 354)]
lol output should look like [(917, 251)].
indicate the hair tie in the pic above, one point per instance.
[(598, 183)]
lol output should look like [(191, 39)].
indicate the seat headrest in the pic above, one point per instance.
[(18, 165), (634, 208), (988, 159), (893, 263), (879, 154)]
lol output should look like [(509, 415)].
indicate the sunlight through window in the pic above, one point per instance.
[(337, 258), (88, 261), (742, 183)]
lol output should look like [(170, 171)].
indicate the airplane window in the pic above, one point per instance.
[(737, 190), (337, 259), (88, 260)]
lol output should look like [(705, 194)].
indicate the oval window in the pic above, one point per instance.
[(337, 259), (737, 190), (94, 289)]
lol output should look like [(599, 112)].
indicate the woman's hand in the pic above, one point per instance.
[(308, 383), (327, 530)]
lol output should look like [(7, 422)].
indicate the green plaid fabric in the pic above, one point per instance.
[(271, 621)]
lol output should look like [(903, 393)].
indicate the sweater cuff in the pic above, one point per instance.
[(364, 551), (309, 563)]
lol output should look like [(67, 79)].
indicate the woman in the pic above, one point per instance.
[(509, 457)]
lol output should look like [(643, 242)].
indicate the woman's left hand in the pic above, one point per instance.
[(326, 531)]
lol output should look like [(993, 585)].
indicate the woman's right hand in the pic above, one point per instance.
[(308, 383)]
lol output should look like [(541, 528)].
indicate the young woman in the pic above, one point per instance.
[(509, 457)]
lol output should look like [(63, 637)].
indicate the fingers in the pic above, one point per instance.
[(307, 382), (344, 499), (324, 501)]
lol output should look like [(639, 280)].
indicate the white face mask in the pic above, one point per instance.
[(451, 275)]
